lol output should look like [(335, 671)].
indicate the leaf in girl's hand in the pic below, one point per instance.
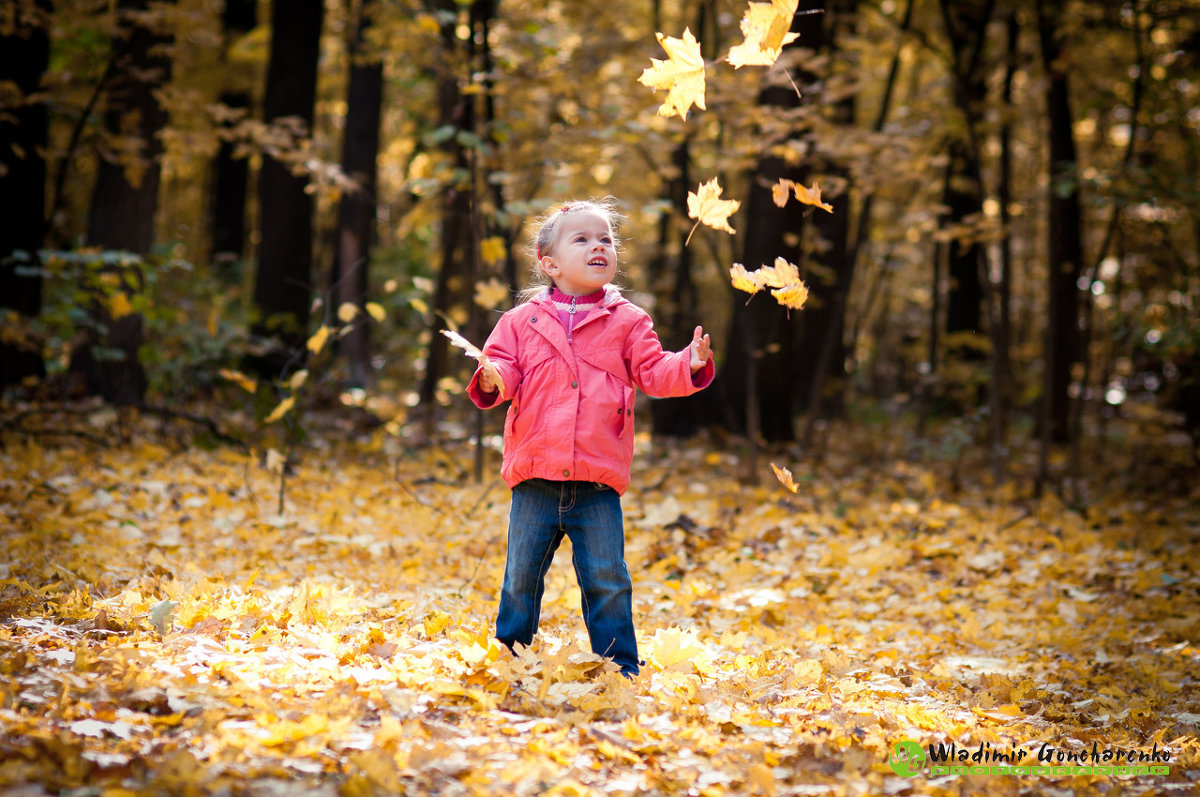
[(467, 346), (706, 205), (785, 477), (765, 27), (471, 350), (682, 74)]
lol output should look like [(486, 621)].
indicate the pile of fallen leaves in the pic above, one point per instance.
[(164, 631)]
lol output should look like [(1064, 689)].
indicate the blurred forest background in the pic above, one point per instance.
[(237, 212)]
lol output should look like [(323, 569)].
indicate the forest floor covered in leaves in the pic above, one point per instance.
[(164, 630)]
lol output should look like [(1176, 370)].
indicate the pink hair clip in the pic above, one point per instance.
[(564, 208)]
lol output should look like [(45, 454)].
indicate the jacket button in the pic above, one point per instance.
[(574, 384), (566, 472), (619, 411), (534, 320)]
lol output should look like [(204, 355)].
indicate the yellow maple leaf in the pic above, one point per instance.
[(706, 205), (490, 294), (785, 477), (765, 27), (682, 74), (792, 296), (812, 196), (780, 275), (744, 280), (347, 312), (676, 648)]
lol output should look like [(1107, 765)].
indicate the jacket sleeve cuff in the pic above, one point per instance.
[(704, 377), (483, 401)]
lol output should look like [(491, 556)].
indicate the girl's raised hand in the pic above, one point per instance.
[(700, 349)]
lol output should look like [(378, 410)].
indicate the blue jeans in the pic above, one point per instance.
[(590, 514)]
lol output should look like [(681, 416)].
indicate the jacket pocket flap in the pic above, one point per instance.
[(608, 359)]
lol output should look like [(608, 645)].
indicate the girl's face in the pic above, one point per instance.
[(584, 256)]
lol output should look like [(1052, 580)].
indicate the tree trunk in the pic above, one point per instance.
[(824, 343), (24, 133), (966, 28), (454, 284), (1064, 256), (685, 415), (124, 203), (356, 214), (231, 175), (283, 283), (1002, 338), (762, 334)]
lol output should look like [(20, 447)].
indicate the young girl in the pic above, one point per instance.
[(570, 360)]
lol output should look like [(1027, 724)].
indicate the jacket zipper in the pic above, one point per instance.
[(571, 318)]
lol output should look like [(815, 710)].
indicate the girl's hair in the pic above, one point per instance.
[(546, 236)]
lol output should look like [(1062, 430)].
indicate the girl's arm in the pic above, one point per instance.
[(660, 373), (501, 350)]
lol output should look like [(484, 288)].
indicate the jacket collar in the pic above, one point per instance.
[(554, 332)]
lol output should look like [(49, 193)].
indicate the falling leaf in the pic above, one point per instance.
[(808, 196), (682, 74), (490, 294), (781, 191), (347, 312), (792, 297), (706, 205), (298, 379), (240, 379), (785, 477), (281, 409), (780, 275), (765, 27), (783, 277), (744, 280), (812, 196), (317, 341)]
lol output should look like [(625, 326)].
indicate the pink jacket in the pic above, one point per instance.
[(571, 416)]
